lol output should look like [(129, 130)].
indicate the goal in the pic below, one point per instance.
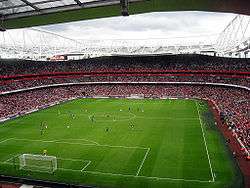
[(40, 163)]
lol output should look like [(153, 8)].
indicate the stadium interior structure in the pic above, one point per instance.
[(180, 72)]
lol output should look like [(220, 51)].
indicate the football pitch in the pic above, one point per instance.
[(121, 143)]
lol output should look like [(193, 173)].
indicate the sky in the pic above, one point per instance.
[(151, 29), (145, 26)]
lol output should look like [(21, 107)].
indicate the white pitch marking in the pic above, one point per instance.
[(100, 145), (126, 147), (6, 161), (68, 169), (111, 174), (148, 177), (205, 143), (82, 139), (143, 160), (5, 140), (64, 169), (165, 118), (69, 159), (85, 166)]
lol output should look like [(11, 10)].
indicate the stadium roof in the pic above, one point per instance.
[(26, 13)]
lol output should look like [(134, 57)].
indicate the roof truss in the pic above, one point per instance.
[(39, 7), (19, 15), (79, 2), (31, 5)]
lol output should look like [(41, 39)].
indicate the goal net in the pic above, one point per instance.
[(40, 163)]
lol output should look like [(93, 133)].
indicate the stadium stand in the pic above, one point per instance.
[(183, 68), (34, 82), (126, 63)]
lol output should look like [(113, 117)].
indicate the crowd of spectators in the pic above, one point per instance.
[(137, 69), (126, 63), (36, 82)]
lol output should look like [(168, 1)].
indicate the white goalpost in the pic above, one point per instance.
[(41, 163)]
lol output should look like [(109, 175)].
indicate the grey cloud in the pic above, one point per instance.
[(146, 25)]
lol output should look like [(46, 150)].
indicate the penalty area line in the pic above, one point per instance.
[(143, 160), (85, 166), (5, 140), (82, 144), (148, 177), (9, 159)]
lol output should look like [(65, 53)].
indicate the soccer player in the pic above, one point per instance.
[(41, 127), (45, 125), (92, 118), (44, 152), (41, 131), (132, 125)]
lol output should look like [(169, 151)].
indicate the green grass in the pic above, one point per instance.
[(174, 143)]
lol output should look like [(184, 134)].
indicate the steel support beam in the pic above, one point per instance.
[(235, 36), (31, 5), (2, 28), (24, 5), (79, 2), (124, 7)]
